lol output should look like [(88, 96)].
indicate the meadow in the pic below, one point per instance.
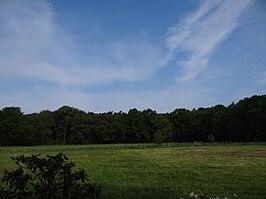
[(164, 171)]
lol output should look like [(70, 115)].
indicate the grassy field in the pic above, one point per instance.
[(165, 171)]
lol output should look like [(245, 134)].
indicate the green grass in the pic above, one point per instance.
[(164, 171)]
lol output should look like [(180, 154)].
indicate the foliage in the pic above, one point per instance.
[(211, 138), (244, 121), (51, 177)]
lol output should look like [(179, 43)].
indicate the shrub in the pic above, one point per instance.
[(211, 138), (51, 177)]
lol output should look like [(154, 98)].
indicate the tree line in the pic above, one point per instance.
[(244, 121)]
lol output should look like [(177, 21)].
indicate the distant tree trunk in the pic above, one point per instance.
[(65, 128)]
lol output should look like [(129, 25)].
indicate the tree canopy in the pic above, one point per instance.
[(241, 122)]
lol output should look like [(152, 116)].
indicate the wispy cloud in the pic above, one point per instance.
[(200, 33), (42, 97), (256, 87), (33, 45), (261, 81)]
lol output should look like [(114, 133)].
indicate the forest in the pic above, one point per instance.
[(244, 121)]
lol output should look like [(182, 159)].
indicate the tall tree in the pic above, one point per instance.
[(11, 118)]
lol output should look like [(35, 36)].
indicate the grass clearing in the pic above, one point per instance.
[(164, 171)]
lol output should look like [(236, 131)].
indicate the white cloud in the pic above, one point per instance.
[(51, 98), (261, 81), (33, 45), (41, 97), (201, 32), (256, 87)]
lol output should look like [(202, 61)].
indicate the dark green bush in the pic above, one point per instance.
[(42, 178)]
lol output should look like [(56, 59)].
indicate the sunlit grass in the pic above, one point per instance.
[(164, 171)]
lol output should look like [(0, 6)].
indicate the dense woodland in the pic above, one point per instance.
[(240, 122)]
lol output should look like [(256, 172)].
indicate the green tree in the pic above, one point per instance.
[(162, 130), (183, 125), (63, 122), (136, 127), (11, 118)]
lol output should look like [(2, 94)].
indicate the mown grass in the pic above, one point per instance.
[(164, 171)]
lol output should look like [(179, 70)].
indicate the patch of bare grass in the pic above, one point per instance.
[(257, 153)]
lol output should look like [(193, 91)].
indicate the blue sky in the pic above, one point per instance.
[(102, 55)]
